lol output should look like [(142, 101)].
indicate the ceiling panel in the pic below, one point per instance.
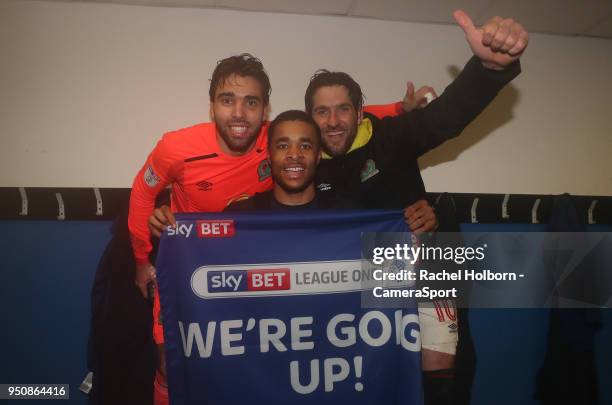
[(554, 16), (417, 10), (602, 29), (570, 17), (290, 6), (162, 3)]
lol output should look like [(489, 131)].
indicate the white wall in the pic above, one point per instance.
[(87, 89)]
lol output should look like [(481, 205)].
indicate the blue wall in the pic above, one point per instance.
[(47, 273)]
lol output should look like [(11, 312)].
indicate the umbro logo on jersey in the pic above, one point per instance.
[(324, 187), (204, 186)]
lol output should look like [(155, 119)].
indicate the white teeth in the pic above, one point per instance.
[(294, 169), (239, 130)]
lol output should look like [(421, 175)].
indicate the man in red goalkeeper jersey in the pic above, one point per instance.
[(208, 166), (211, 164)]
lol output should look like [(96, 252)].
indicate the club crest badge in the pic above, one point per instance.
[(369, 170), (264, 170)]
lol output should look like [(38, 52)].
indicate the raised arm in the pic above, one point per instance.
[(497, 47)]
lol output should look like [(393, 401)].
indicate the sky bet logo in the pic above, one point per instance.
[(219, 228), (205, 229), (181, 229), (248, 280)]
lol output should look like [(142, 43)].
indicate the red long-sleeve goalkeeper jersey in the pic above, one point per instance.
[(203, 178)]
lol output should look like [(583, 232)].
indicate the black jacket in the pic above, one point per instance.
[(384, 173)]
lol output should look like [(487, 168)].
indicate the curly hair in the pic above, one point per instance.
[(324, 78), (242, 65)]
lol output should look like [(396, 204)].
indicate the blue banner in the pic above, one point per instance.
[(266, 308)]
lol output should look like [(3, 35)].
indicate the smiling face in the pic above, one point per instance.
[(238, 111), (335, 114), (294, 155)]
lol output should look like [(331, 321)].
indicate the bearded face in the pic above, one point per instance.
[(238, 112)]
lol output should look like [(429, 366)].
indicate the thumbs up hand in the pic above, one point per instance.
[(498, 43)]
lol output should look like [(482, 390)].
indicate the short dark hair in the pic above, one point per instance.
[(242, 65), (293, 115), (324, 78)]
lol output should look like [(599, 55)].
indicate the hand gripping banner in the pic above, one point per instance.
[(266, 308)]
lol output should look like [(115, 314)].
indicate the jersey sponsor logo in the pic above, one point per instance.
[(369, 170), (204, 185), (264, 170), (150, 177), (324, 187), (223, 228), (248, 280)]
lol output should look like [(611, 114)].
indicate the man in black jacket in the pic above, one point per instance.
[(374, 161)]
